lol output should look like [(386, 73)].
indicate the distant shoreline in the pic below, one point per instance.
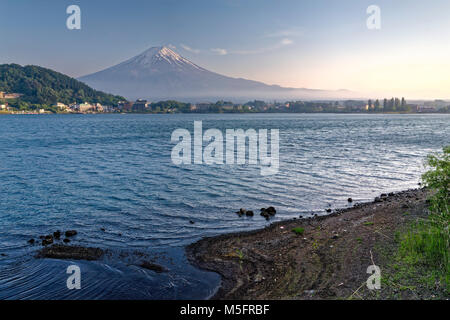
[(235, 113)]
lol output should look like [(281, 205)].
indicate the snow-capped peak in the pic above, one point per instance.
[(156, 55)]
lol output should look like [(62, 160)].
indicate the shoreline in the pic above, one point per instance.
[(327, 260), (222, 113)]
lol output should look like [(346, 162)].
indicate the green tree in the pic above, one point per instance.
[(377, 105)]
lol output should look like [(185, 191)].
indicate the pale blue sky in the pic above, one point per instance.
[(314, 44)]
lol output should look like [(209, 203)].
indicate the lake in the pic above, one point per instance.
[(115, 172)]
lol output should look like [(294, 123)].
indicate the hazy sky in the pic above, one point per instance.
[(312, 44)]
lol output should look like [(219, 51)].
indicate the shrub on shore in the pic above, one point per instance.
[(425, 246)]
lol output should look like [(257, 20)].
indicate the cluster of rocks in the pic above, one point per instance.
[(243, 212), (55, 236), (269, 212), (392, 197), (329, 210), (383, 197), (63, 251), (265, 212)]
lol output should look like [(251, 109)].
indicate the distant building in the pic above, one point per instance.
[(12, 95), (2, 95), (86, 107), (99, 107), (228, 107), (203, 106), (140, 106), (425, 109), (125, 106), (62, 107)]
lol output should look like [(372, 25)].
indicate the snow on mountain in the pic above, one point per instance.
[(159, 73)]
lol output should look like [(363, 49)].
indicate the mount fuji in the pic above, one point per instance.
[(160, 74)]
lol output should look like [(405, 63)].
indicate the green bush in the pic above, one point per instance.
[(426, 243)]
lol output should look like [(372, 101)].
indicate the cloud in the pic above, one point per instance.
[(293, 32), (219, 51), (171, 46), (187, 48), (284, 42)]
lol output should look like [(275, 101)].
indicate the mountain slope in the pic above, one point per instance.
[(46, 87), (160, 73)]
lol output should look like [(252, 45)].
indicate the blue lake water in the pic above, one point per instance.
[(87, 172)]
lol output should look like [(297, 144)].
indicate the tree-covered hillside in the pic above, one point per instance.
[(46, 87)]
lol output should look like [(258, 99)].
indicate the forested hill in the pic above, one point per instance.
[(46, 87)]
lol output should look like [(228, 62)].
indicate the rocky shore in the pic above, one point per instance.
[(323, 257)]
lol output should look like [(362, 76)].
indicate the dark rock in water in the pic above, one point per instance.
[(270, 211), (152, 266), (66, 240), (47, 241), (71, 233), (378, 199), (249, 213), (264, 213), (383, 195), (103, 229), (120, 234), (242, 211), (57, 234), (60, 251), (31, 241), (191, 222), (350, 200), (3, 254), (328, 210)]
